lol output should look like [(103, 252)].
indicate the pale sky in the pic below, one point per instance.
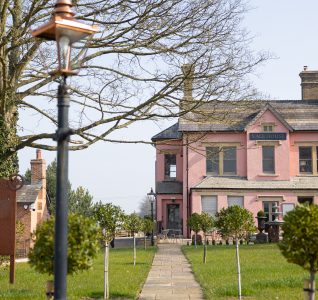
[(123, 174)]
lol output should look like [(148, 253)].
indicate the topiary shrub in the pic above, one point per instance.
[(83, 245), (300, 235)]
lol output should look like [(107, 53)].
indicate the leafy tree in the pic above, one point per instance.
[(81, 202), (300, 240), (194, 222), (132, 70), (83, 245), (206, 224), (236, 222), (110, 218), (147, 226), (133, 223), (51, 186), (27, 176)]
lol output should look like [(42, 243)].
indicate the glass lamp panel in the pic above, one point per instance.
[(64, 52), (73, 58)]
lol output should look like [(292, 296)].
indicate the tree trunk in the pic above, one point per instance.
[(238, 269), (204, 251), (134, 250), (195, 239), (312, 285), (145, 242), (8, 140), (106, 263)]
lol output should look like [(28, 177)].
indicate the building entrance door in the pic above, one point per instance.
[(174, 221)]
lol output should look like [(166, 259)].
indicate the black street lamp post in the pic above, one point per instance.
[(62, 136), (65, 30), (152, 197)]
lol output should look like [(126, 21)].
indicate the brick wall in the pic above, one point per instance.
[(23, 242)]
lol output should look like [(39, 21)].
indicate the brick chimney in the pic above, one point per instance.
[(188, 72), (38, 169), (309, 84)]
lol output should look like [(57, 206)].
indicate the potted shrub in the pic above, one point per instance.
[(261, 218), (83, 246)]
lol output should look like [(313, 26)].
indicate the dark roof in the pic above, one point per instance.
[(297, 115), (169, 187), (28, 193), (171, 133), (241, 183)]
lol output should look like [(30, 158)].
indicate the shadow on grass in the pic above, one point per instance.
[(137, 263), (100, 295), (96, 295)]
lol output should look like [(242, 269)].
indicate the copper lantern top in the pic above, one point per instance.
[(63, 20)]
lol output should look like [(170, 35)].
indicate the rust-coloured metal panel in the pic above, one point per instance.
[(7, 218)]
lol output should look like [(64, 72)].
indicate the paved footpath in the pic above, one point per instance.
[(170, 276)]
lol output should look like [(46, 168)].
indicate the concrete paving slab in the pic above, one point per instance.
[(170, 277)]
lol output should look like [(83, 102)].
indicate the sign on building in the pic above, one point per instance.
[(267, 136)]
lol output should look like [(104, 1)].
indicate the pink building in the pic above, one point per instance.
[(257, 154)]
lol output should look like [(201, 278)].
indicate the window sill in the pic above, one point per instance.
[(220, 175), (268, 175), (307, 175)]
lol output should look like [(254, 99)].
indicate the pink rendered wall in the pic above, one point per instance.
[(252, 199), (197, 158), (175, 147), (254, 151), (195, 153), (294, 148)]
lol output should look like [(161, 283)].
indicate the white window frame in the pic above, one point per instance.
[(235, 198), (221, 149), (213, 209), (264, 161), (268, 127), (314, 157)]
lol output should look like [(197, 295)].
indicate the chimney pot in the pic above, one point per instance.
[(309, 84), (38, 168), (38, 154), (188, 72)]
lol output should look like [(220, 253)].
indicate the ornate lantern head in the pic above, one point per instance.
[(65, 30)]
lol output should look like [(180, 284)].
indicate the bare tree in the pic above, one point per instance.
[(132, 70), (145, 208)]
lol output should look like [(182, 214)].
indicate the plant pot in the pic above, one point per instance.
[(50, 290), (261, 223)]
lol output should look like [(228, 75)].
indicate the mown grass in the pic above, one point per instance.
[(125, 280), (265, 273)]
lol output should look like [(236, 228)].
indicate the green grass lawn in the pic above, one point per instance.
[(265, 273), (125, 280)]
